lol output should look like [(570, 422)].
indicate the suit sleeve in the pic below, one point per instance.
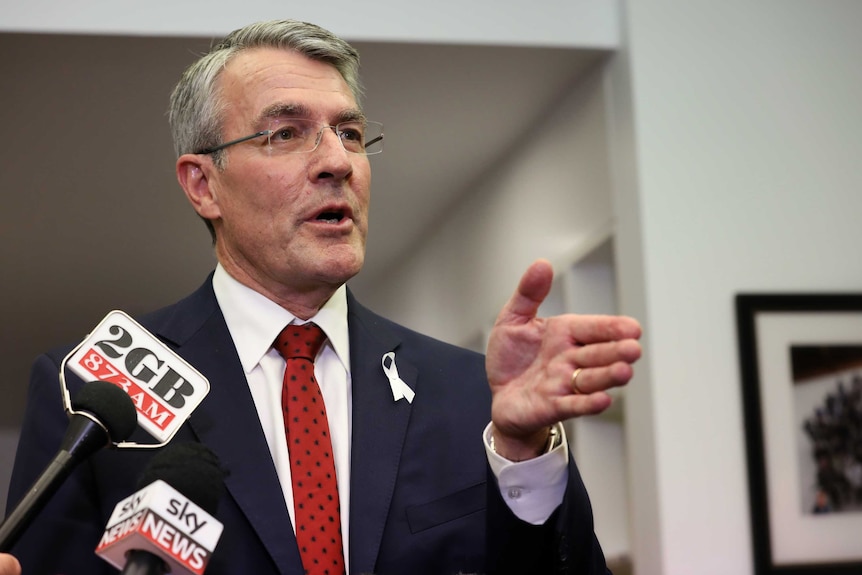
[(564, 544), (63, 536)]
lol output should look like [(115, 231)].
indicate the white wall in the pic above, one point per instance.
[(748, 135)]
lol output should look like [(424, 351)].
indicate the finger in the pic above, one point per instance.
[(586, 329), (534, 287), (593, 380), (9, 564), (578, 405), (605, 353)]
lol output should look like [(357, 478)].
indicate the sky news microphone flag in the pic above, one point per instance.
[(168, 525)]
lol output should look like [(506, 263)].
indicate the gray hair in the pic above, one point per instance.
[(196, 108)]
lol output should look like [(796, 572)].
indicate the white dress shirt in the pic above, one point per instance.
[(532, 489)]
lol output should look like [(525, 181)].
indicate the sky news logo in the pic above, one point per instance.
[(160, 520)]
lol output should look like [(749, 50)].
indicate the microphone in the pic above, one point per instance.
[(167, 526), (104, 414), (164, 388)]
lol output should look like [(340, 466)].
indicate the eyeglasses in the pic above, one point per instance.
[(300, 136)]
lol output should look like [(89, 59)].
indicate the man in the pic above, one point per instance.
[(468, 472)]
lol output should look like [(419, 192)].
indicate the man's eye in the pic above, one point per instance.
[(284, 133), (351, 134)]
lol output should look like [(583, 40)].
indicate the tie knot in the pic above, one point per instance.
[(300, 341)]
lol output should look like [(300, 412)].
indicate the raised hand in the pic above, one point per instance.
[(545, 370)]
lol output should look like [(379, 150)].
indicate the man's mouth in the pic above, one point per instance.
[(330, 216)]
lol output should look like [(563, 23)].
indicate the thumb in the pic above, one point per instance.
[(532, 290), (9, 565)]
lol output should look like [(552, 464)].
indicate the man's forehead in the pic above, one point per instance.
[(282, 65), (270, 78)]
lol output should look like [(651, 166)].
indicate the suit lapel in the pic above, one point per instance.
[(379, 430), (227, 422)]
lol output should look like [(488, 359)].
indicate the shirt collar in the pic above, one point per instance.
[(254, 321)]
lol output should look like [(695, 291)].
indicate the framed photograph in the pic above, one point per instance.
[(801, 361)]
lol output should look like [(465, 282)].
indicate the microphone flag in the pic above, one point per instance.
[(160, 520), (164, 388)]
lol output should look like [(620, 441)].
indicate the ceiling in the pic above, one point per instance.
[(92, 218)]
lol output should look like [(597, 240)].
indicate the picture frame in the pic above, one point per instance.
[(801, 369)]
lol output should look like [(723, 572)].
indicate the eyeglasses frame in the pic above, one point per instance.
[(318, 138)]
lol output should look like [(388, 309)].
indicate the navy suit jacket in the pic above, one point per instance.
[(423, 499)]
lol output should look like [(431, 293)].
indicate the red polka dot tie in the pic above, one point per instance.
[(312, 468)]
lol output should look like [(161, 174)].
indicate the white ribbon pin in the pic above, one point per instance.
[(399, 388)]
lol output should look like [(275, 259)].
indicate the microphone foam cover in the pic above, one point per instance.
[(110, 405), (190, 468)]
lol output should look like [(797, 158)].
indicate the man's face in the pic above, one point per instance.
[(287, 224)]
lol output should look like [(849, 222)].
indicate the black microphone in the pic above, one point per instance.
[(105, 415), (168, 525)]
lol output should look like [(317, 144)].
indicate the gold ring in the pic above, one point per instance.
[(574, 382)]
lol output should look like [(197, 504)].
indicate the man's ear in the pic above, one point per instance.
[(193, 173)]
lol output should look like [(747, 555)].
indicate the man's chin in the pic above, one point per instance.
[(337, 270)]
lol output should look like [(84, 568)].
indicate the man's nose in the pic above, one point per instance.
[(331, 157), (323, 134)]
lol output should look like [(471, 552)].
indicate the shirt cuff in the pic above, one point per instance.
[(534, 488)]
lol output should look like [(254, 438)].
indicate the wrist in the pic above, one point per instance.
[(522, 449)]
